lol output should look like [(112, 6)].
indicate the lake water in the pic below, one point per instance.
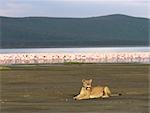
[(76, 50)]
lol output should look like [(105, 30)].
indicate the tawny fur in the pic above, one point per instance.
[(87, 91)]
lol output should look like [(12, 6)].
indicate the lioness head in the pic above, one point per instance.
[(87, 83)]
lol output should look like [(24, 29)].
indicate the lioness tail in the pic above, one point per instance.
[(115, 95)]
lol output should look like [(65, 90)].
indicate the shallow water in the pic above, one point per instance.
[(76, 50)]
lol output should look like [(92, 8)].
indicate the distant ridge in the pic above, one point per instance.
[(102, 31)]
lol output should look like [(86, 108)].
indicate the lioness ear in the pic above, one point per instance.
[(83, 80), (90, 80)]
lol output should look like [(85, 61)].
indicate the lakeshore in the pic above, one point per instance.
[(97, 57), (46, 88), (75, 55)]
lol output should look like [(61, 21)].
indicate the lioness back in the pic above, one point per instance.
[(96, 92)]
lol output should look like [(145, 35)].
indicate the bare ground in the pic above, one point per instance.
[(50, 88)]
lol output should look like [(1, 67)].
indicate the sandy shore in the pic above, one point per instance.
[(46, 58)]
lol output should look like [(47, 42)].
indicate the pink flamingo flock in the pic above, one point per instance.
[(50, 58)]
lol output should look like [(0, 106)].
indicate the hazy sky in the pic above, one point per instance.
[(74, 8)]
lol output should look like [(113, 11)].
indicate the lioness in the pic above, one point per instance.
[(87, 91)]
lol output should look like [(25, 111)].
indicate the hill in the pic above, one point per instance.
[(111, 30)]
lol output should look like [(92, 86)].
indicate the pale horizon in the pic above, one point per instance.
[(71, 17), (74, 8)]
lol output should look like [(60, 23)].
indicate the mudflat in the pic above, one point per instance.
[(50, 88)]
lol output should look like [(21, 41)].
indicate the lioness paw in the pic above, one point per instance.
[(74, 98)]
